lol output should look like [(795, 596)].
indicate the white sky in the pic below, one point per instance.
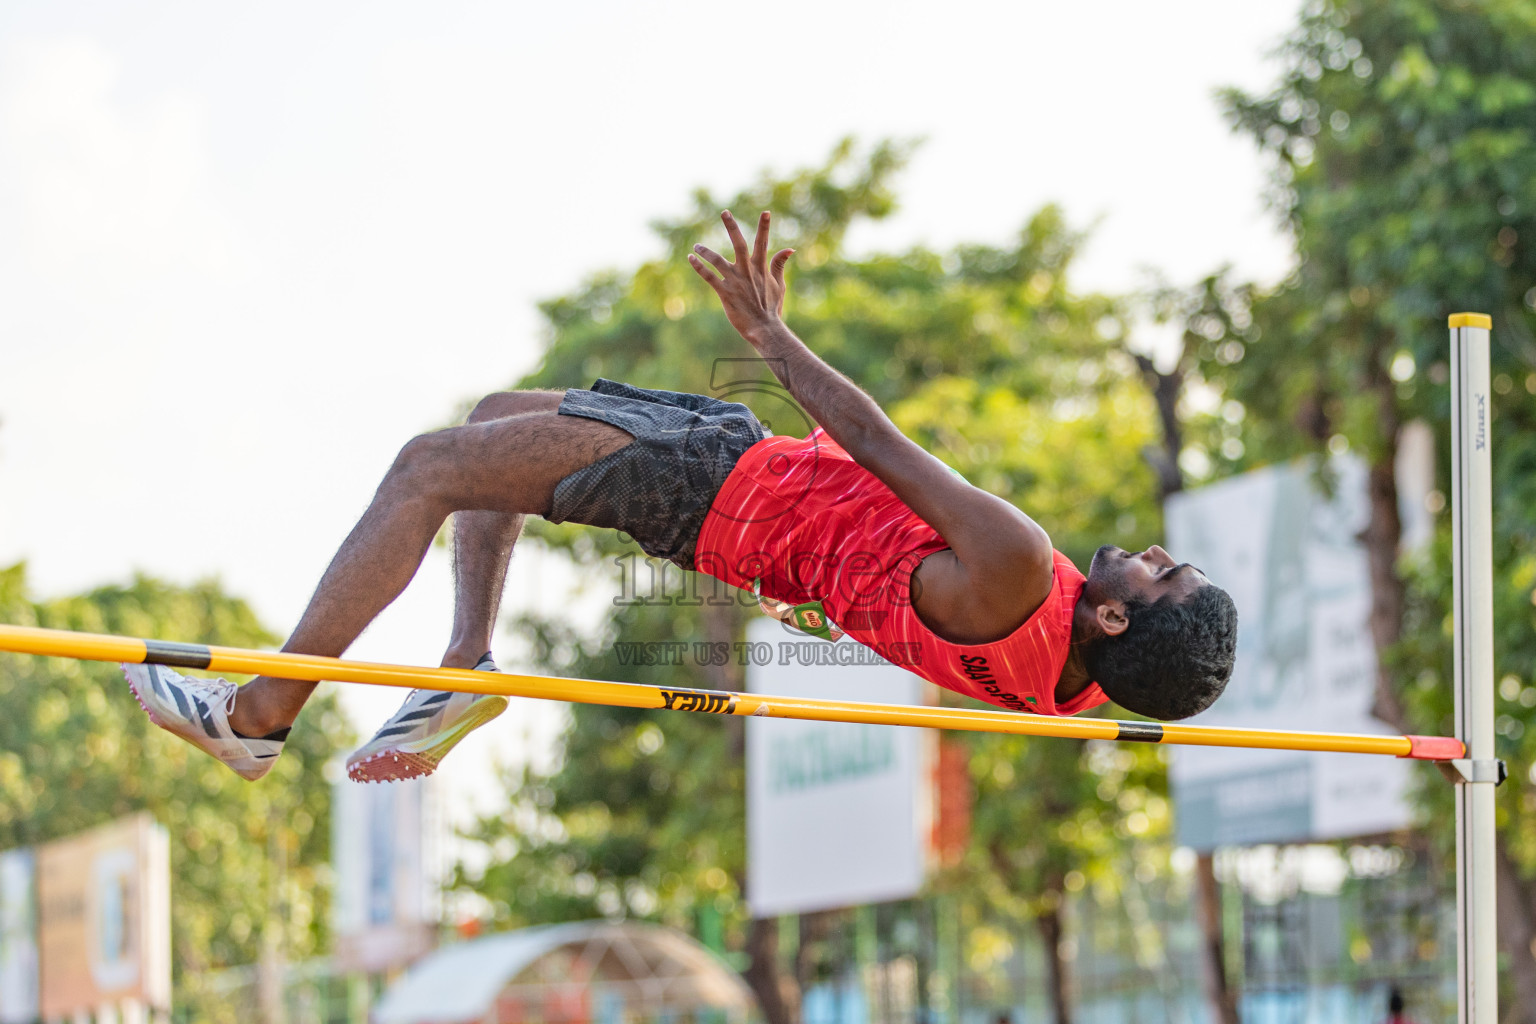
[(246, 251)]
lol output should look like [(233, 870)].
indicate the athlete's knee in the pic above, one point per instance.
[(417, 463), (514, 403), (492, 407)]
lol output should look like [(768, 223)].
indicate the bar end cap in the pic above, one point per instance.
[(1435, 748)]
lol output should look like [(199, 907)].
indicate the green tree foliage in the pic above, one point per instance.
[(983, 354), (1402, 136), (644, 816), (249, 861), (1053, 819)]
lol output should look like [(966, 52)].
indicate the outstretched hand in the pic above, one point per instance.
[(752, 288)]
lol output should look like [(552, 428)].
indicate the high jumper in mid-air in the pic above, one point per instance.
[(854, 525)]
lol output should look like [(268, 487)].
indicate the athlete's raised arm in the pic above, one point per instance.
[(993, 540)]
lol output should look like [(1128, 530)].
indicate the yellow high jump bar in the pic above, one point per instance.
[(98, 647)]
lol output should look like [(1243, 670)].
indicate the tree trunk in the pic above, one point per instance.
[(776, 991), (722, 626), (1050, 925), (1166, 389), (1213, 960), (270, 1007), (1517, 933), (1382, 538)]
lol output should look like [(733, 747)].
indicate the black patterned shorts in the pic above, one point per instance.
[(659, 487)]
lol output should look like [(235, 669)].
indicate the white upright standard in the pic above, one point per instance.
[(1478, 773)]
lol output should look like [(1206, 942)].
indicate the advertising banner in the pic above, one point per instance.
[(838, 814), (104, 918), (382, 844), (1291, 557), (18, 938)]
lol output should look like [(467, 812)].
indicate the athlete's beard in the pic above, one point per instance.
[(1102, 553), (1110, 583)]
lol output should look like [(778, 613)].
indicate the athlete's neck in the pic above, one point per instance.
[(1074, 677)]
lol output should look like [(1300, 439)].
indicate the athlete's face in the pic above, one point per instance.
[(1143, 576)]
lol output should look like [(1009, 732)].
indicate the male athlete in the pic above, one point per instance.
[(895, 548)]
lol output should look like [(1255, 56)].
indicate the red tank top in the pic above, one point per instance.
[(814, 525)]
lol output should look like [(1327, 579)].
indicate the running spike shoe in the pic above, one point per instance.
[(428, 725), (198, 710)]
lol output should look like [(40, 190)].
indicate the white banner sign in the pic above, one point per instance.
[(18, 938), (837, 814), (383, 846), (1292, 560)]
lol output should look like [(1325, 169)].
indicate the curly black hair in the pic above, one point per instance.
[(1174, 658)]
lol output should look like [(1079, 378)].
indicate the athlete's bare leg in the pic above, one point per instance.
[(482, 544), (482, 549), (509, 466)]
